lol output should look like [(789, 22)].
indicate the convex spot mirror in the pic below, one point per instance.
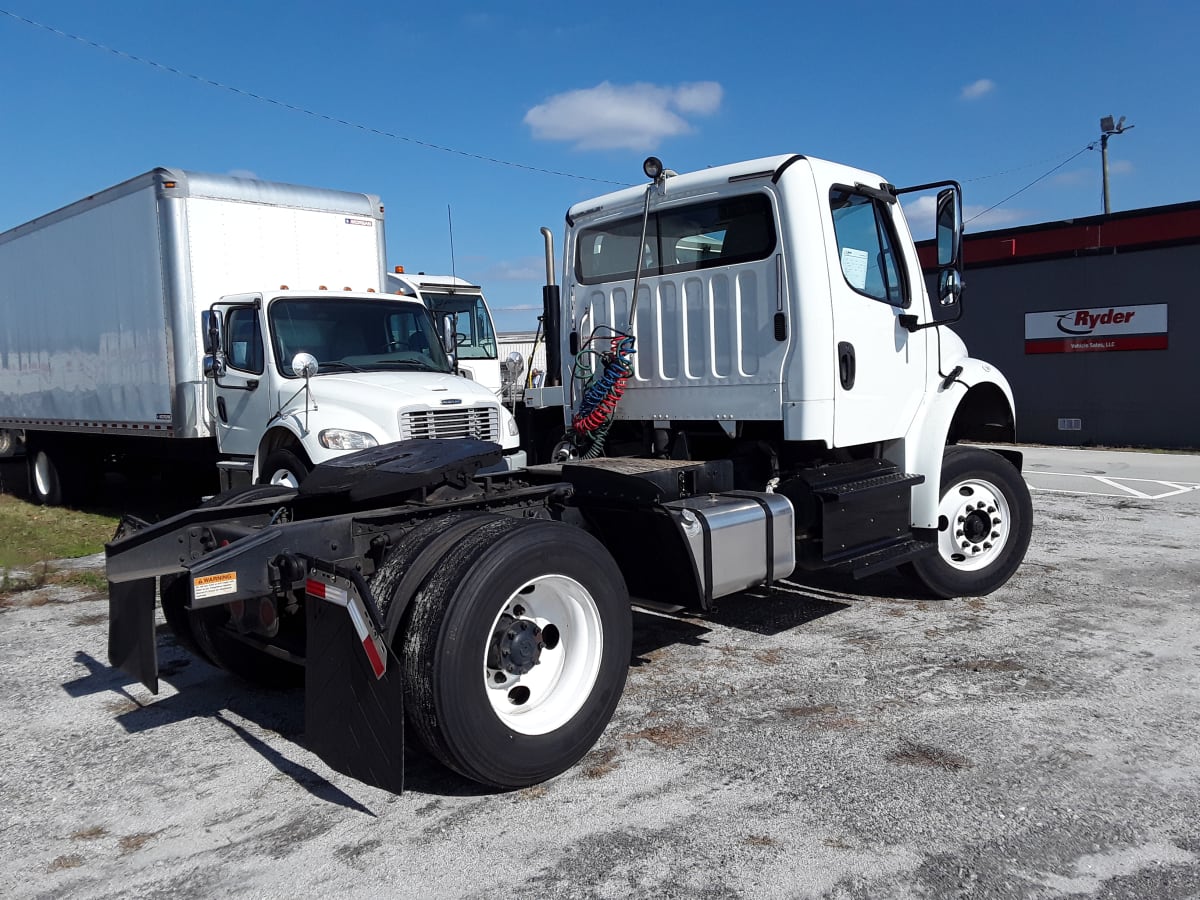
[(305, 364)]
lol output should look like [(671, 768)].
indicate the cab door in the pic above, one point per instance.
[(880, 376), (242, 396)]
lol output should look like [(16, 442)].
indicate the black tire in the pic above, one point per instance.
[(397, 580), (205, 631), (219, 646), (284, 460), (543, 573), (174, 594), (985, 520)]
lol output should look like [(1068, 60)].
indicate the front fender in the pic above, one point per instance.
[(976, 405)]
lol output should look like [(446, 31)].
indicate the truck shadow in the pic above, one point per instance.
[(200, 691)]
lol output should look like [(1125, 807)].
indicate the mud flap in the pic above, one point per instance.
[(353, 720), (132, 643)]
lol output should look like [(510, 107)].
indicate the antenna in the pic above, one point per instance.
[(450, 219)]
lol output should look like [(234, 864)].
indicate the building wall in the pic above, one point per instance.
[(1128, 398)]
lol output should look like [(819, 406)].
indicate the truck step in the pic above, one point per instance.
[(890, 557), (844, 491)]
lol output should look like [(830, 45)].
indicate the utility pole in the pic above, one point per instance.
[(1107, 130)]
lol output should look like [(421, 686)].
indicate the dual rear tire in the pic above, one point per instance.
[(515, 644)]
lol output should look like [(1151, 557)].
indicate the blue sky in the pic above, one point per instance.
[(994, 95)]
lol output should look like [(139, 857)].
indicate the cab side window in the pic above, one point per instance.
[(866, 246), (243, 340)]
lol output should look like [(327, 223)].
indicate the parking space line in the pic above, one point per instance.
[(1174, 487)]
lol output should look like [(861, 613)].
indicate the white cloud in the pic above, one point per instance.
[(1119, 167), (531, 268), (977, 89), (633, 116)]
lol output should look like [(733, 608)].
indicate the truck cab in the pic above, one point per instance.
[(299, 377), (462, 305), (774, 313)]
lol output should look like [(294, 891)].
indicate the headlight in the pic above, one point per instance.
[(513, 430), (341, 439)]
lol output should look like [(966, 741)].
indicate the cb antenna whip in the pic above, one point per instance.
[(450, 220)]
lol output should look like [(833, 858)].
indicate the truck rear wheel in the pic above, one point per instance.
[(45, 479), (515, 651), (985, 520)]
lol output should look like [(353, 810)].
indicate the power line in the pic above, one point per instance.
[(300, 109), (1028, 186)]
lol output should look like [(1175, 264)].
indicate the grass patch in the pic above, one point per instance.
[(31, 534)]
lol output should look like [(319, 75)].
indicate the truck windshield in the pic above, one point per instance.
[(356, 335), (472, 323)]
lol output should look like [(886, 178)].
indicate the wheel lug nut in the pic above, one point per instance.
[(958, 533), (995, 534), (991, 509), (975, 549), (995, 521), (987, 545)]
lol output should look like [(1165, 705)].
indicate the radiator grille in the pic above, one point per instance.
[(482, 422)]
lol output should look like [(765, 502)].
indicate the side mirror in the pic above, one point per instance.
[(449, 340), (950, 285), (214, 366), (305, 364), (949, 227), (210, 325)]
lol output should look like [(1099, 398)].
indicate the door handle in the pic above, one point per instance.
[(846, 364)]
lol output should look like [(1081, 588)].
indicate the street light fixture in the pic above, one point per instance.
[(1107, 129)]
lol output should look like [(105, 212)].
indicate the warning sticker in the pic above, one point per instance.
[(214, 585)]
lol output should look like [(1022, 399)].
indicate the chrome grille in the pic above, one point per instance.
[(482, 422)]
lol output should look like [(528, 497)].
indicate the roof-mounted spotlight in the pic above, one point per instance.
[(653, 168)]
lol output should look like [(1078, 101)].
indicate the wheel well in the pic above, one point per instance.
[(280, 439), (984, 414)]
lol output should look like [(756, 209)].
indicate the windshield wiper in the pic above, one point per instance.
[(412, 364), (327, 364)]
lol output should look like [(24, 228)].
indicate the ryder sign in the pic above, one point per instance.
[(1097, 330)]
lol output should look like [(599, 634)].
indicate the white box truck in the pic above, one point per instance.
[(178, 342)]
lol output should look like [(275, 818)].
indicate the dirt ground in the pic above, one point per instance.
[(822, 739)]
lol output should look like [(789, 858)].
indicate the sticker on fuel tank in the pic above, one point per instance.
[(214, 585)]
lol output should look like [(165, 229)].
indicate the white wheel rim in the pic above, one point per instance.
[(42, 474), (548, 695), (285, 477), (974, 521)]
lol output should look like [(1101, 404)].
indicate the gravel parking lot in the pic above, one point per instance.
[(823, 739)]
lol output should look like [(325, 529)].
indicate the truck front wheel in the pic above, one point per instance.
[(985, 519), (284, 467), (515, 651)]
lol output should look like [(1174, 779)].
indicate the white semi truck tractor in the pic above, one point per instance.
[(747, 377)]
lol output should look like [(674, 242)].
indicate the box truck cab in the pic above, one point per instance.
[(462, 304), (299, 377)]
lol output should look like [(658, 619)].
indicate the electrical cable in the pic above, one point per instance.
[(1028, 186), (300, 109)]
